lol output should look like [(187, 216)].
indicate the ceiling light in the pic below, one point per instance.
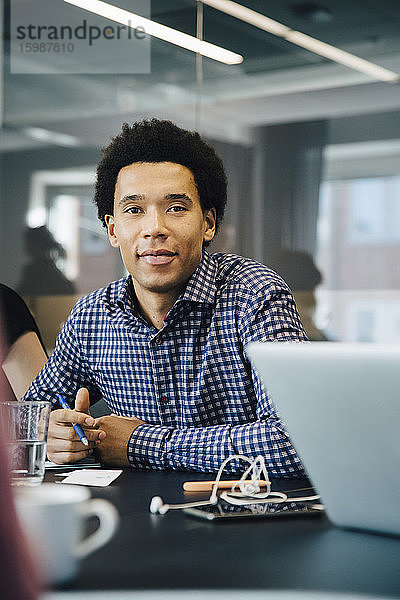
[(249, 16), (342, 57), (304, 41), (159, 31), (44, 135)]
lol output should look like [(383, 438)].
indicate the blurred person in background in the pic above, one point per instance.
[(299, 271), (40, 275), (23, 353)]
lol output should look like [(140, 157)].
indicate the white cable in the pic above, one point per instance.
[(305, 498), (249, 491), (157, 505)]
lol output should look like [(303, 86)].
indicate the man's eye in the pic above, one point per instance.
[(177, 208), (134, 210)]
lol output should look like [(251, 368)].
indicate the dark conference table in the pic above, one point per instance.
[(175, 551)]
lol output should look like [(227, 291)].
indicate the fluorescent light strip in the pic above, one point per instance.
[(44, 135), (159, 31), (249, 16), (342, 57), (304, 41)]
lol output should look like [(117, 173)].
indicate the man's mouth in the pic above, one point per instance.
[(157, 257)]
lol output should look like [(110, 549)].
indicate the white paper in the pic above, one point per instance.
[(100, 478)]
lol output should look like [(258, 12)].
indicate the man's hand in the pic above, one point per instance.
[(63, 444), (113, 449)]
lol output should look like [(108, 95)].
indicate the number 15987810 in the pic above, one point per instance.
[(46, 47)]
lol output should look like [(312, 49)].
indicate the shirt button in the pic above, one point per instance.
[(158, 341), (164, 399)]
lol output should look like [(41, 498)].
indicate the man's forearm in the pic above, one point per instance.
[(205, 448)]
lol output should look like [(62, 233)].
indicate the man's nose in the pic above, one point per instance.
[(154, 224)]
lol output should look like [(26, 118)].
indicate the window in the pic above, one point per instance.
[(358, 253)]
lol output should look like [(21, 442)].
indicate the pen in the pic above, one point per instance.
[(76, 426), (207, 486)]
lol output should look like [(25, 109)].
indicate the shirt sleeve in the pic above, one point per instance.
[(272, 317), (205, 448), (65, 371)]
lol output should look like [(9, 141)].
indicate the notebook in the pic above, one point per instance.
[(341, 406)]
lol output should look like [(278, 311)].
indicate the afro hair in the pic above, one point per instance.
[(155, 141)]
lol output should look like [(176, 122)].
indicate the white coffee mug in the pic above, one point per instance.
[(52, 518)]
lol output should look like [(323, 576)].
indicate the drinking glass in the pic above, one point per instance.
[(26, 425)]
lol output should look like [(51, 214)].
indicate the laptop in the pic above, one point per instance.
[(341, 406)]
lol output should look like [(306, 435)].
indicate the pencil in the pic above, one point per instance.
[(207, 486)]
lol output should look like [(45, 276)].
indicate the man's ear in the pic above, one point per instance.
[(112, 236), (210, 217)]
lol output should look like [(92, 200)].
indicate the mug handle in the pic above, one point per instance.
[(108, 517)]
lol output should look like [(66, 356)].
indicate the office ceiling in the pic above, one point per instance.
[(277, 81)]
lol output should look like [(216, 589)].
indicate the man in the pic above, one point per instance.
[(165, 347)]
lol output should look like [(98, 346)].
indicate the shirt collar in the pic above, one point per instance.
[(201, 286), (125, 295)]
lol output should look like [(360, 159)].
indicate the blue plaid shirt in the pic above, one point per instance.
[(191, 381)]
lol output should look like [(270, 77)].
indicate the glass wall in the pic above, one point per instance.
[(283, 120)]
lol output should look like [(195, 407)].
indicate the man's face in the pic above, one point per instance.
[(159, 226)]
